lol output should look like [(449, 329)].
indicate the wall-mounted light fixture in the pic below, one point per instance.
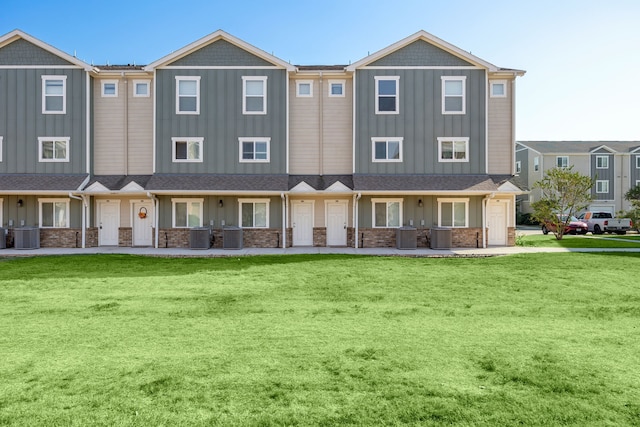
[(420, 202), (20, 203), (220, 203)]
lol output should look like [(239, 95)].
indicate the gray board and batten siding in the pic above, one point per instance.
[(607, 174), (21, 118), (221, 120), (420, 54)]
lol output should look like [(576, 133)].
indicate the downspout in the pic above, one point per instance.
[(83, 199), (284, 220), (126, 125), (88, 123), (156, 216), (484, 219), (321, 124), (513, 124), (356, 197)]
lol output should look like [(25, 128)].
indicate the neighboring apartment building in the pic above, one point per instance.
[(221, 133), (614, 166)]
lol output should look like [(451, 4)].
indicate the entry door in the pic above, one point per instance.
[(142, 224), (303, 224), (108, 223), (336, 224), (497, 222)]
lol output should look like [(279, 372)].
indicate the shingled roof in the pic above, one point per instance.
[(40, 182), (477, 183), (214, 182)]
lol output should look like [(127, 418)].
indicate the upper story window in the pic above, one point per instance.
[(637, 162), (518, 166), (386, 213), (187, 95), (254, 150), (453, 149), (304, 88), (602, 186), (387, 97), (187, 213), (141, 88), (254, 213), (52, 149), (254, 95), (54, 94), (185, 150), (54, 213), (336, 88), (498, 89), (536, 164), (109, 88), (602, 162), (562, 161), (453, 94), (386, 149), (453, 213)]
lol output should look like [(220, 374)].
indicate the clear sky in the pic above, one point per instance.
[(582, 57)]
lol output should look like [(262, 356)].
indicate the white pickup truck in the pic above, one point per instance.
[(601, 222)]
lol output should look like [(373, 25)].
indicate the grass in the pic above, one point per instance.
[(544, 339), (573, 241)]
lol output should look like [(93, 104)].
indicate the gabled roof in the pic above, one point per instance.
[(18, 34), (580, 147), (312, 183), (117, 183), (430, 38), (211, 38), (480, 184)]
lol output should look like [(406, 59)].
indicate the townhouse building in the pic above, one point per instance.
[(225, 136), (613, 165)]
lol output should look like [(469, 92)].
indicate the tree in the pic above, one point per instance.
[(564, 193), (633, 195)]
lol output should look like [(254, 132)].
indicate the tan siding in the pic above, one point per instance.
[(140, 132), (501, 144), (304, 134), (108, 131), (338, 131)]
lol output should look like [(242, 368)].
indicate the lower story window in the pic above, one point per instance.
[(387, 213), (453, 212), (602, 186), (54, 213), (187, 213), (254, 213)]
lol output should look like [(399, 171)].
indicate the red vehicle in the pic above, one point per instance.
[(575, 226)]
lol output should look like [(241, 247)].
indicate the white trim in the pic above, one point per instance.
[(345, 205), (175, 201), (452, 201), (87, 135), (67, 218), (386, 140), (47, 78), (254, 140), (422, 67), (65, 139), (218, 67), (375, 201), (377, 80), (177, 139), (304, 82), (253, 220), (246, 79), (493, 83), (134, 88), (104, 83), (605, 162), (154, 131), (536, 164), (2, 235), (197, 95), (601, 186), (638, 161), (1, 148), (562, 166), (332, 82), (446, 79), (518, 166), (453, 140), (294, 205), (40, 67)]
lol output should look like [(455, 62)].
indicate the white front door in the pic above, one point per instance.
[(108, 222), (302, 224), (337, 224), (142, 233), (497, 222)]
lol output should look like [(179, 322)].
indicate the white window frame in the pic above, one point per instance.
[(2, 235), (241, 142), (1, 149), (637, 161), (462, 79), (502, 83), (175, 201), (637, 183), (53, 139), (602, 186), (147, 83), (387, 202), (342, 84), (536, 164), (54, 201), (454, 201), (245, 80), (197, 95), (379, 79), (386, 141), (175, 140), (518, 166), (253, 202), (103, 86), (304, 82), (453, 141), (563, 166), (47, 78), (604, 160)]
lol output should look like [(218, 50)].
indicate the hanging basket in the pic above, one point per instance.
[(142, 213)]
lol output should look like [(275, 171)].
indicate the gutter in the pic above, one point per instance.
[(484, 219), (155, 217), (356, 197)]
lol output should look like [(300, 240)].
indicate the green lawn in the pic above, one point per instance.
[(573, 241), (544, 339)]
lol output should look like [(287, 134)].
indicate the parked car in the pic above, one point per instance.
[(575, 226), (600, 222)]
